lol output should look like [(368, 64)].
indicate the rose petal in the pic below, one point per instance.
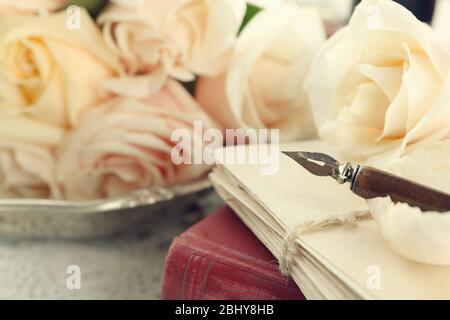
[(27, 171), (417, 235)]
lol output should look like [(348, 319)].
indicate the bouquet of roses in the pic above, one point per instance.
[(88, 107)]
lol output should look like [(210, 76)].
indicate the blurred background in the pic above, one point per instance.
[(337, 12)]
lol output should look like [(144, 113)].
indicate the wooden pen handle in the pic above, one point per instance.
[(372, 183)]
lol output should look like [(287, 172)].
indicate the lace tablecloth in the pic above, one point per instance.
[(127, 266)]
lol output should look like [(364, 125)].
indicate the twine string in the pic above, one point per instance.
[(290, 246)]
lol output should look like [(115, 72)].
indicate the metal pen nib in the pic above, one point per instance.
[(321, 164)]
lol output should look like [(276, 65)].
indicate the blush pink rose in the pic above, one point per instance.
[(126, 144)]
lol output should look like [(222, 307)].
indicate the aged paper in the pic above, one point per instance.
[(343, 262)]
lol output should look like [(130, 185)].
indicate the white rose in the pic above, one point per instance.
[(176, 38), (380, 87), (263, 86)]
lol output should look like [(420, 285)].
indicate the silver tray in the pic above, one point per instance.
[(69, 219)]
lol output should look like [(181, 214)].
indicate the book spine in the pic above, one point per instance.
[(181, 273), (193, 273)]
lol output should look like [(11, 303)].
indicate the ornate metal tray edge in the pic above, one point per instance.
[(135, 199), (81, 219)]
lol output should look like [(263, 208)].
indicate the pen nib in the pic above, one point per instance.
[(317, 163), (320, 164)]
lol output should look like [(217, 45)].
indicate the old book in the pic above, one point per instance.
[(220, 258), (321, 233)]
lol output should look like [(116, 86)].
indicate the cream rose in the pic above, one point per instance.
[(27, 158), (30, 6), (27, 171), (50, 72), (126, 145), (380, 87), (176, 38), (417, 235), (263, 86)]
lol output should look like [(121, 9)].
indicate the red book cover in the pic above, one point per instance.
[(220, 258)]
